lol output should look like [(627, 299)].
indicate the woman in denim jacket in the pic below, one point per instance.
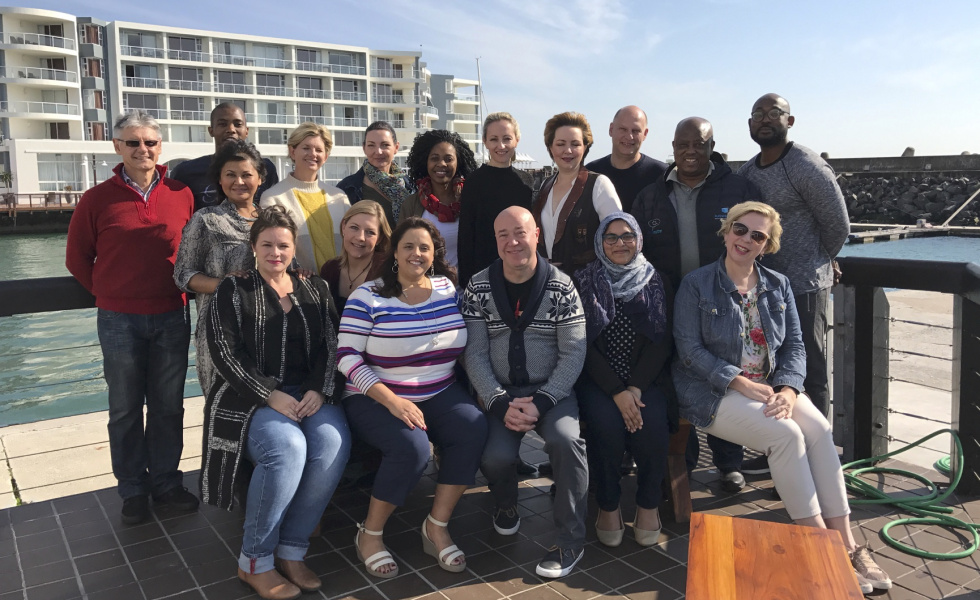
[(739, 376)]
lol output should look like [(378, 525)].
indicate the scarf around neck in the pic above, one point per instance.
[(446, 214), (391, 185), (636, 283)]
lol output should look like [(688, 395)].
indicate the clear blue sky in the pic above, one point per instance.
[(864, 78)]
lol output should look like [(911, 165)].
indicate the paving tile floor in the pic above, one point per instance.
[(77, 547)]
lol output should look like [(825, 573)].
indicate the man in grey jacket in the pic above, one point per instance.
[(525, 350), (799, 184)]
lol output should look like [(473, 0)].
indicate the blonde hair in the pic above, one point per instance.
[(309, 129), (373, 209), (568, 119), (501, 116), (740, 210)]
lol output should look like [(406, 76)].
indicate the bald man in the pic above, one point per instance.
[(679, 216), (800, 184), (525, 349), (628, 169)]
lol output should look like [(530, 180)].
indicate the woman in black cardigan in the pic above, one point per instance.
[(626, 398), (271, 404)]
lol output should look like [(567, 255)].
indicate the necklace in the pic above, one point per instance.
[(351, 280), (434, 340)]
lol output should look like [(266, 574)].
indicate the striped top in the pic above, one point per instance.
[(412, 349)]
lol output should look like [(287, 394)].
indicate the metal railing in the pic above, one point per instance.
[(11, 203), (48, 108), (309, 93), (350, 96), (252, 61), (466, 117), (861, 353), (38, 73), (406, 73), (233, 88), (272, 118), (394, 98), (187, 85), (431, 111), (273, 90), (38, 39), (142, 51), (189, 115), (189, 55), (144, 82), (467, 97), (329, 68)]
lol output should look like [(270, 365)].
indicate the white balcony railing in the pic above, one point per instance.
[(233, 88), (406, 124), (144, 82), (305, 93), (38, 73), (273, 90), (142, 51), (394, 98), (408, 73), (38, 39), (191, 86), (190, 55), (467, 97), (351, 122), (351, 96), (328, 68), (252, 61), (48, 108), (431, 111), (466, 117), (271, 118), (188, 115)]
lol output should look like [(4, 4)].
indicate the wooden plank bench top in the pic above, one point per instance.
[(746, 559)]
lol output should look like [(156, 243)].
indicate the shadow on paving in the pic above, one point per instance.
[(77, 547)]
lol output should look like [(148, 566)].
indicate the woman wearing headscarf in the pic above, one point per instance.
[(625, 394)]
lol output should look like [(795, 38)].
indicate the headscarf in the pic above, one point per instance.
[(602, 282), (391, 184)]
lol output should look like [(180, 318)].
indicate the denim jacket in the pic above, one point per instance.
[(707, 331)]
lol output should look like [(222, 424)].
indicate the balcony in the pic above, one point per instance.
[(394, 99), (251, 61), (307, 93), (156, 113), (37, 39), (466, 97), (142, 51), (329, 68), (466, 117), (188, 115), (408, 73), (270, 90), (188, 55), (406, 124), (233, 88), (351, 96), (38, 73), (144, 82), (431, 111), (274, 119), (351, 122), (189, 86), (40, 108)]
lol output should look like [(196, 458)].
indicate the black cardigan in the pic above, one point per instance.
[(246, 335)]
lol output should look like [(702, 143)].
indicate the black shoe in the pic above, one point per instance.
[(732, 482), (756, 466), (506, 520), (559, 562), (545, 470), (135, 510), (178, 498), (525, 468)]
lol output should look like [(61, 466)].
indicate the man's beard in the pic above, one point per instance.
[(777, 139)]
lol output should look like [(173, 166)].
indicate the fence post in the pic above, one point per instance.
[(966, 390), (860, 371)]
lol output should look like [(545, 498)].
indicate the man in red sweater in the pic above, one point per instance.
[(122, 242)]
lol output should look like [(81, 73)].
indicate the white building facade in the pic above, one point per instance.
[(64, 79)]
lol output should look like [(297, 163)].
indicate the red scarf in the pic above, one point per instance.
[(446, 214)]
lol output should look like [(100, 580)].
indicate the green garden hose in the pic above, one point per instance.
[(928, 509)]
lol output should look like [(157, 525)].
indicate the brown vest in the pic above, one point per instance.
[(577, 224)]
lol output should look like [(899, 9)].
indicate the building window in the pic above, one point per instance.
[(92, 67), (342, 58), (55, 171), (187, 108), (449, 107), (270, 85), (230, 82), (93, 99), (96, 131), (188, 133), (58, 131), (348, 138), (185, 78), (449, 86), (184, 48), (308, 59), (90, 33), (144, 101), (309, 110), (273, 136)]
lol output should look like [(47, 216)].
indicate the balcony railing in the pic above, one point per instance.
[(188, 115), (38, 73), (307, 93), (252, 61), (329, 68), (466, 117), (467, 97), (156, 113), (409, 73), (351, 122), (273, 90), (233, 88), (271, 118), (406, 124), (192, 86), (144, 82), (191, 55), (431, 111), (48, 108), (351, 96), (142, 51), (38, 39), (394, 98)]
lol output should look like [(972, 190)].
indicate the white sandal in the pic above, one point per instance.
[(448, 555), (376, 561)]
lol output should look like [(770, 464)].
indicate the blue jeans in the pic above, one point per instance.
[(297, 469), (145, 361)]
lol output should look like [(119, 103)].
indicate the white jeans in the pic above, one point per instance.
[(802, 456)]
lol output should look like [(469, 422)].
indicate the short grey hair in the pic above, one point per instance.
[(134, 118)]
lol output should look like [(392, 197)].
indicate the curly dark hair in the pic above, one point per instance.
[(270, 218), (391, 287), (234, 150), (418, 156)]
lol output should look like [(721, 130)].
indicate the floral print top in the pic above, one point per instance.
[(755, 352)]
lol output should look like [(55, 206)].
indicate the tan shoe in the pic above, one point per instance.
[(270, 585), (297, 572)]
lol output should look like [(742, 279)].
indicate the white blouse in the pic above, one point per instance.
[(604, 199)]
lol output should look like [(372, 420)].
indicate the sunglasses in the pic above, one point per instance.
[(136, 143), (739, 229)]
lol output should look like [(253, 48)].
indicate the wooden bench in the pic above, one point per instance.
[(746, 559)]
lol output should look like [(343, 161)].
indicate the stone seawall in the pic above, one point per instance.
[(903, 199)]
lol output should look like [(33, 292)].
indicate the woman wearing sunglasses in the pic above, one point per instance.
[(740, 370), (625, 393)]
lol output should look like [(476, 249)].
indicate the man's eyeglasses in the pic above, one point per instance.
[(611, 239), (136, 143), (739, 229), (773, 114)]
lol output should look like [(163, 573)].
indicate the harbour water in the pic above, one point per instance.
[(51, 363)]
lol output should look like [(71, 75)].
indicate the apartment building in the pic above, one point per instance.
[(64, 79), (458, 103)]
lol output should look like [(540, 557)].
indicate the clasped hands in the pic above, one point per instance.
[(286, 405), (779, 405), (522, 415)]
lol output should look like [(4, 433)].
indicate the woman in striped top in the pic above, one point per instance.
[(399, 340)]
